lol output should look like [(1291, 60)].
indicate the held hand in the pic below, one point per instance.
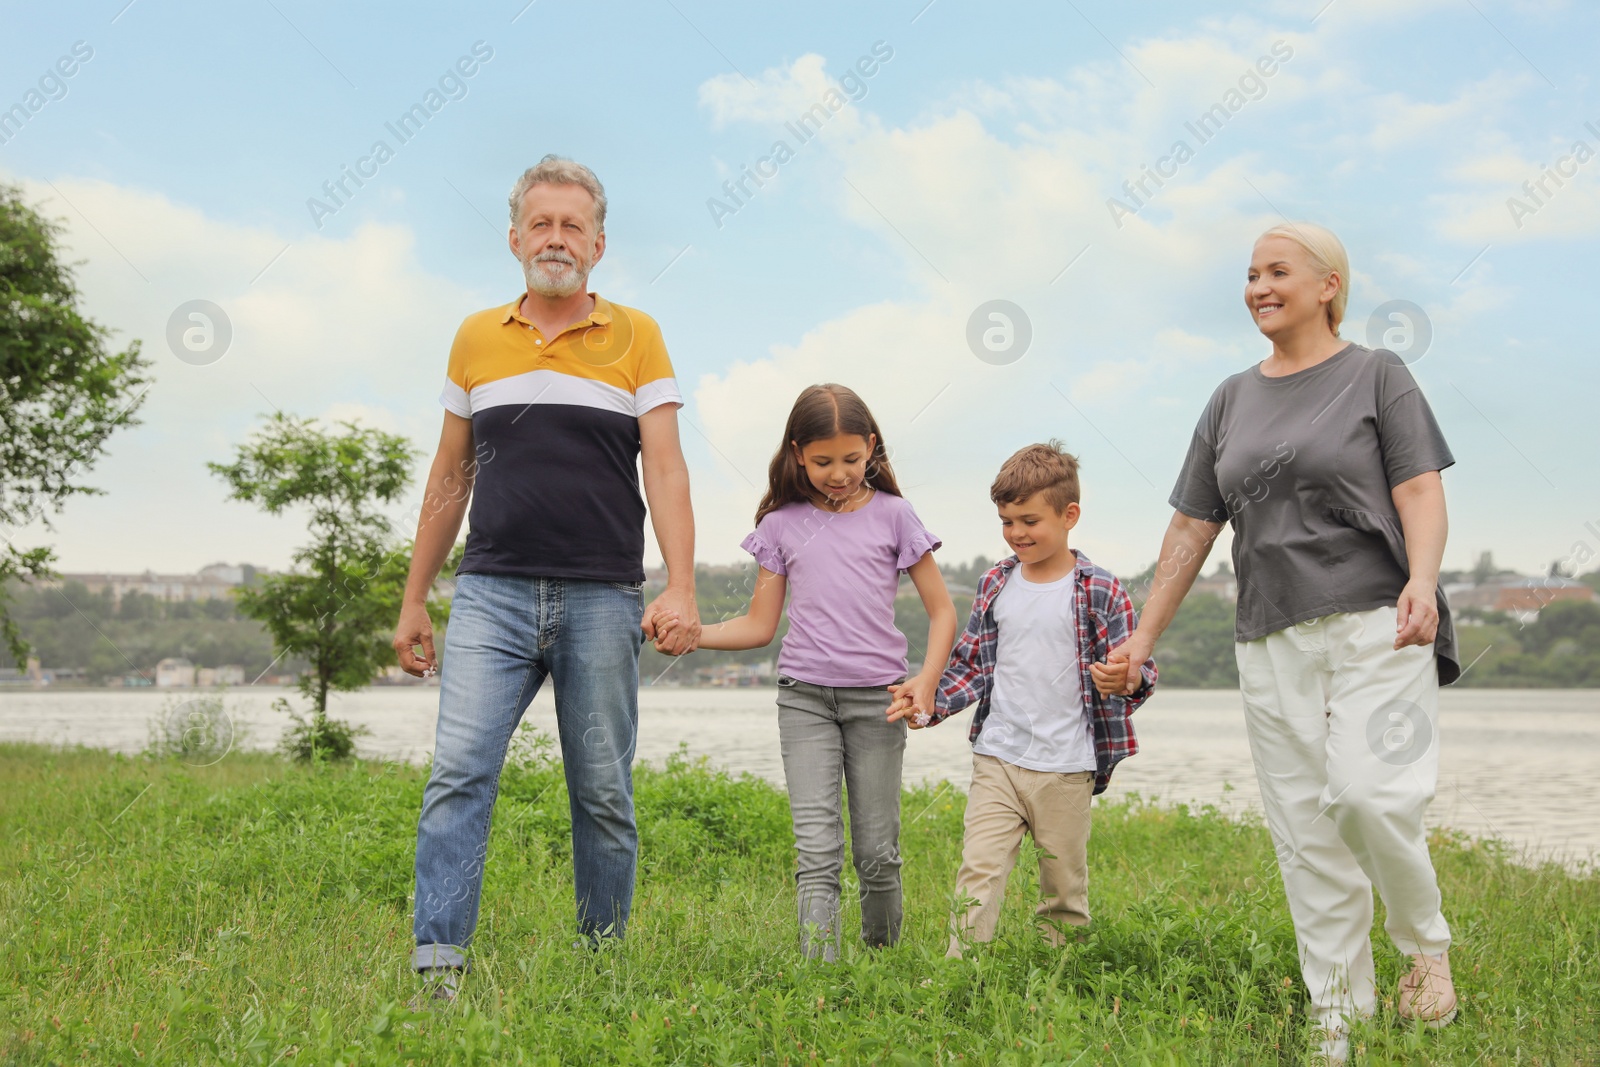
[(901, 708), (679, 604), (663, 623), (1126, 661), (906, 705), (924, 690), (1416, 616), (413, 629), (1112, 675)]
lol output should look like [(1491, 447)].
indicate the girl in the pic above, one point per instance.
[(833, 524)]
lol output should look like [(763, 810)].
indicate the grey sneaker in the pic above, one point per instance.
[(440, 985)]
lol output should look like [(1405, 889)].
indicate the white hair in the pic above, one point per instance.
[(557, 170)]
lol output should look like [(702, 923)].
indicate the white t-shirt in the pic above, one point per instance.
[(1037, 718)]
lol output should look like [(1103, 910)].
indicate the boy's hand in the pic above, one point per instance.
[(1112, 675), (912, 699), (1122, 672)]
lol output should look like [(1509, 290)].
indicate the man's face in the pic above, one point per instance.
[(556, 240)]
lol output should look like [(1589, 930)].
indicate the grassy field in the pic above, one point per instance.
[(255, 912)]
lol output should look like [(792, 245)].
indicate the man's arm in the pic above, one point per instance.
[(443, 507), (666, 493)]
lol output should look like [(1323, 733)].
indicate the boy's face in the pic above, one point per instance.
[(1036, 531)]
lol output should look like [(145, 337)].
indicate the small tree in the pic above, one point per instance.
[(62, 392), (338, 608)]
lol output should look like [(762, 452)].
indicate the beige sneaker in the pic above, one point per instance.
[(1427, 996)]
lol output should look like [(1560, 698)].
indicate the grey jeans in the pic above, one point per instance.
[(831, 734)]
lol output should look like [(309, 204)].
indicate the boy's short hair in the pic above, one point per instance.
[(1048, 468)]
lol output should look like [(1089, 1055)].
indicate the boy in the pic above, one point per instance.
[(1043, 739)]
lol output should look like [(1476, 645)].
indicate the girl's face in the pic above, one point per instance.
[(837, 465), (1284, 291)]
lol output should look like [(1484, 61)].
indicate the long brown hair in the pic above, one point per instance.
[(821, 412)]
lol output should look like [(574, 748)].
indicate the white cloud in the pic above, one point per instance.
[(992, 191), (781, 95), (350, 327), (1512, 198)]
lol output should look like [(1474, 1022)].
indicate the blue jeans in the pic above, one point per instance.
[(506, 636)]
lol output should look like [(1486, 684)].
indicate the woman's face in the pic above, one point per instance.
[(1284, 292), (837, 465)]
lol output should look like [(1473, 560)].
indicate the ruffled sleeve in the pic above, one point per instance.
[(915, 540), (766, 555)]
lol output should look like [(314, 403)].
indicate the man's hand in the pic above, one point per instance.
[(680, 633), (1416, 616), (415, 628), (1122, 672)]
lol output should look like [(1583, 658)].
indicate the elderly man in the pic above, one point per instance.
[(550, 401)]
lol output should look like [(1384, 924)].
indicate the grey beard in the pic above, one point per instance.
[(572, 280)]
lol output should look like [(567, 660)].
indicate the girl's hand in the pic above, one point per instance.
[(901, 707), (905, 707), (924, 689), (665, 622), (1416, 616)]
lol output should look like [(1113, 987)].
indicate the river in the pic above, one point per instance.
[(1522, 766)]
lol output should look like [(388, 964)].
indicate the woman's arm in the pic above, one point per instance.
[(755, 628), (1425, 524), (1184, 550), (922, 686)]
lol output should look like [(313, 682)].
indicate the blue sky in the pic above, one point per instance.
[(975, 163)]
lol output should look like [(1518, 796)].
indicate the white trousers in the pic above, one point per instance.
[(1344, 731)]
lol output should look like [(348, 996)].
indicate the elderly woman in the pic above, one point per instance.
[(1325, 459)]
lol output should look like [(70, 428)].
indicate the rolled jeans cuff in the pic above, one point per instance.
[(429, 957)]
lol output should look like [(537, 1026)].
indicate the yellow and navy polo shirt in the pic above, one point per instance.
[(555, 426)]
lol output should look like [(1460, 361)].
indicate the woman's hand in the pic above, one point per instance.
[(1121, 673), (1416, 616)]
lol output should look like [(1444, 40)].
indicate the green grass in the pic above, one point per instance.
[(257, 912)]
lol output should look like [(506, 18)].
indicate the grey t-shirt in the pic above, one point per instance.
[(1302, 467)]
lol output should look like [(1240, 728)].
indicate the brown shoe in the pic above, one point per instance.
[(1427, 997)]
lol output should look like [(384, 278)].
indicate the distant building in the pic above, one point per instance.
[(1221, 583), (1523, 598), (725, 675), (213, 582), (228, 674), (175, 673)]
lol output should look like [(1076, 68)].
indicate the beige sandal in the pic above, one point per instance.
[(1427, 996)]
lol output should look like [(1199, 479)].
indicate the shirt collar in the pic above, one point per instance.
[(600, 316), (1078, 567)]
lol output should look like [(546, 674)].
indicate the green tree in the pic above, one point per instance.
[(336, 610), (62, 392)]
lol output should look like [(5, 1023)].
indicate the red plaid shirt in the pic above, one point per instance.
[(1105, 619)]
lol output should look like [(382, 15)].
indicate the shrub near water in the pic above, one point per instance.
[(257, 912)]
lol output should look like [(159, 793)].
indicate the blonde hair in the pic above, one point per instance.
[(1327, 257), (558, 170)]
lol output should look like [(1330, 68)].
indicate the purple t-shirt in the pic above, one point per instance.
[(843, 570)]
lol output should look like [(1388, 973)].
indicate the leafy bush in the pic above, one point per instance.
[(317, 738)]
